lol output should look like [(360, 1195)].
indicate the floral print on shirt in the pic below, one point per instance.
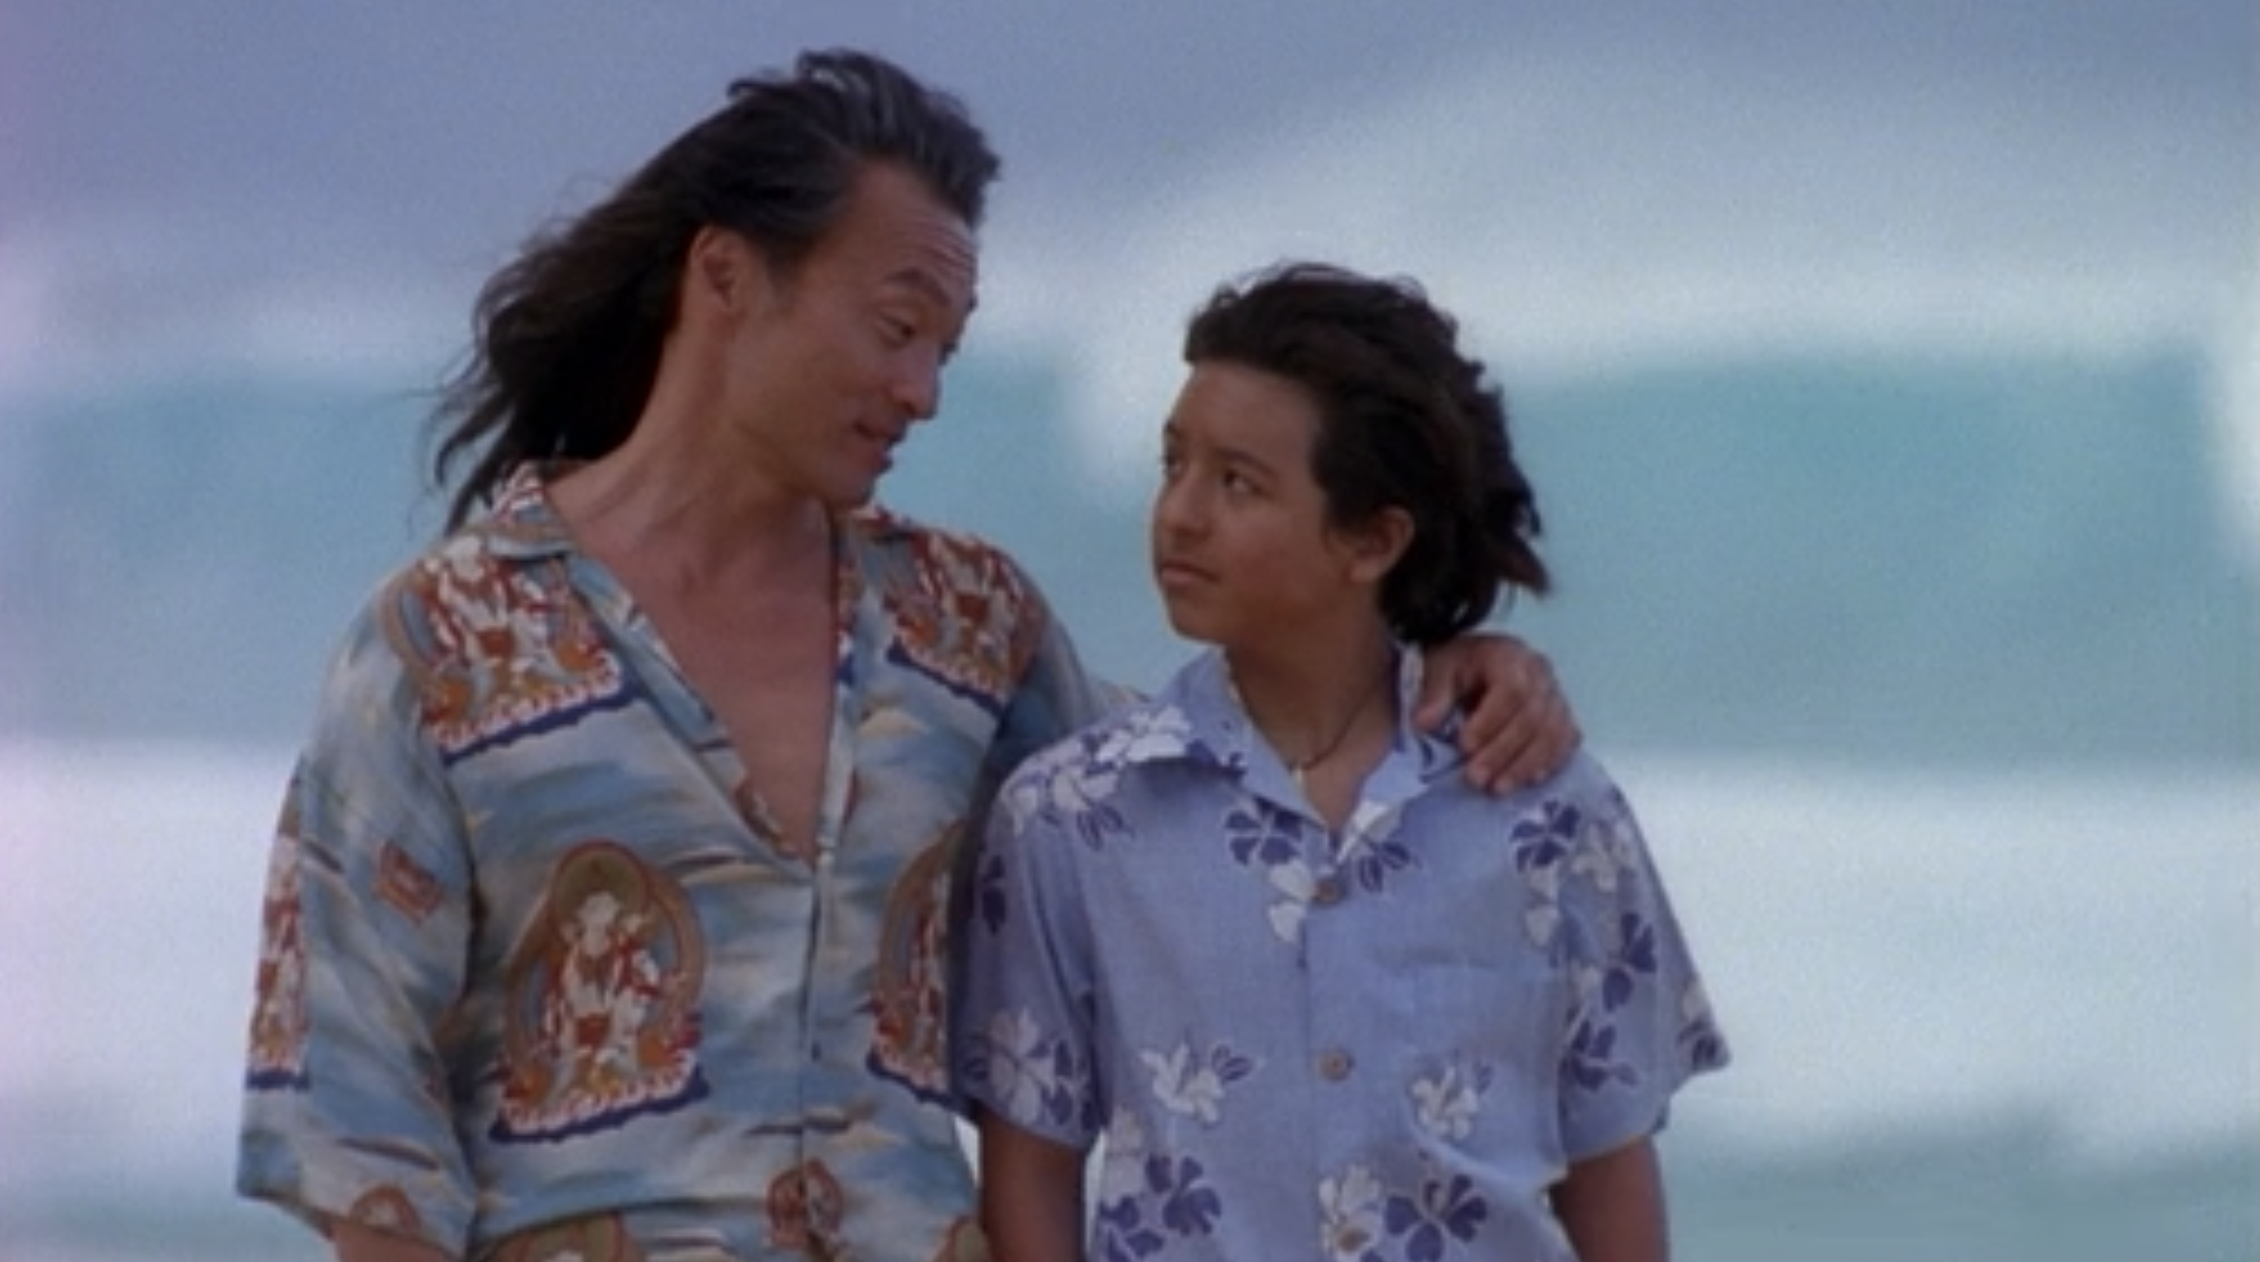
[(1387, 1040)]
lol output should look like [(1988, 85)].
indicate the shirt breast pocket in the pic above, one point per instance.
[(1480, 1056)]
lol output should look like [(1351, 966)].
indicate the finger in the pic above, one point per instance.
[(1527, 744), (1485, 714), (1494, 753), (1493, 733), (1541, 750), (1439, 693)]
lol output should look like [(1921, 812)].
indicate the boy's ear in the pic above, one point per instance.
[(1377, 543)]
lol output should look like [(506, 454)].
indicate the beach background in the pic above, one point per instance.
[(1890, 374)]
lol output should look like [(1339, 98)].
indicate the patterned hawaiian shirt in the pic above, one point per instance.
[(538, 978), (1382, 1044)]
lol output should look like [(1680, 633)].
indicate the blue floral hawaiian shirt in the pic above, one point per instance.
[(539, 979), (1382, 1044)]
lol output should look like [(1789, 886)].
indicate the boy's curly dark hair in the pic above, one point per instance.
[(1406, 421)]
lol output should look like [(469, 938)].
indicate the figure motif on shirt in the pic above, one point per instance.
[(601, 1026), (962, 1241), (501, 647), (805, 1204), (909, 1031), (594, 1238), (278, 1015), (387, 1208)]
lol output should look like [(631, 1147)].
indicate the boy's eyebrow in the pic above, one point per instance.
[(1231, 455), (1236, 456)]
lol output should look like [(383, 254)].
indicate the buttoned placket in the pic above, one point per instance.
[(823, 994), (1339, 1018), (681, 707)]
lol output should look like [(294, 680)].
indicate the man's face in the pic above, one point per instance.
[(847, 352)]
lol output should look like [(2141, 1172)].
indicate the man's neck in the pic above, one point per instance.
[(688, 526)]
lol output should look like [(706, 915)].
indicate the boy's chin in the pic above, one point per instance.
[(1186, 628)]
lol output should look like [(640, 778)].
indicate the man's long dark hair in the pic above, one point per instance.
[(569, 333)]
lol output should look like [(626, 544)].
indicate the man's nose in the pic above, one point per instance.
[(918, 390)]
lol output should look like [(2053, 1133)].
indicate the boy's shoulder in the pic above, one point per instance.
[(1581, 777), (1139, 729), (1577, 796)]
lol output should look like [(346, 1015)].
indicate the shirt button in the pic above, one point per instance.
[(1334, 1064), (1328, 892)]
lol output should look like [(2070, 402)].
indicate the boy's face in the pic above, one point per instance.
[(1241, 550)]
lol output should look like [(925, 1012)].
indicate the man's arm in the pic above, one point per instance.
[(1518, 728), (1612, 1206), (1031, 1195), (355, 979)]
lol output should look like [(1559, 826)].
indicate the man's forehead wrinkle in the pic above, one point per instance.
[(923, 280)]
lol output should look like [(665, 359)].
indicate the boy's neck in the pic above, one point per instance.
[(1317, 702)]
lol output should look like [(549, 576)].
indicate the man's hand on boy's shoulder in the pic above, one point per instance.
[(1516, 727)]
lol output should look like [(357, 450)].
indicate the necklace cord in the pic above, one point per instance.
[(1297, 767)]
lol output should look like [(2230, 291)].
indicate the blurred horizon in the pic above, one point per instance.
[(1980, 561)]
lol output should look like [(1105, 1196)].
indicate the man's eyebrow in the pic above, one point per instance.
[(923, 281)]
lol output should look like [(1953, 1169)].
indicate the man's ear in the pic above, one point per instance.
[(724, 269), (1376, 543)]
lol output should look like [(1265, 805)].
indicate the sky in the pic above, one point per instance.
[(326, 185)]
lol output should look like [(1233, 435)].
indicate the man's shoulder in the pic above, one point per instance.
[(895, 548), (469, 591), (463, 565), (419, 619), (959, 608), (888, 530)]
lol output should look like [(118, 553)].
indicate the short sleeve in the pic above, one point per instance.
[(1639, 1022), (363, 945), (1052, 698), (1055, 696), (1022, 1043)]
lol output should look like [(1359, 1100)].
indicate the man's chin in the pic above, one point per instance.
[(848, 497)]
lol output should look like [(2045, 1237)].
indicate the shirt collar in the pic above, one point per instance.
[(1218, 731), (521, 523)]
